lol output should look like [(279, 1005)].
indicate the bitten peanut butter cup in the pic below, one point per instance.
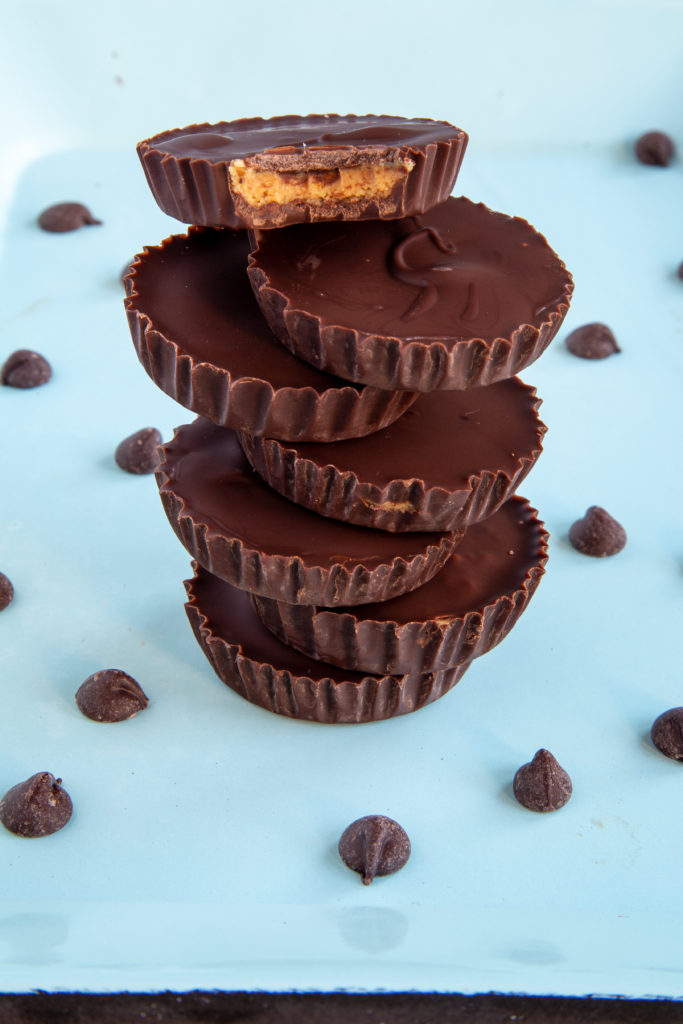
[(288, 170), (251, 661), (464, 611), (243, 531), (456, 298), (452, 459), (202, 339)]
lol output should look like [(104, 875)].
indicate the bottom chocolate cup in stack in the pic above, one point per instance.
[(460, 614), (263, 670)]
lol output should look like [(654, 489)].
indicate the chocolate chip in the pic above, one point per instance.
[(25, 369), (680, 271), (374, 845), (592, 341), (110, 696), (37, 807), (66, 217), (139, 452), (655, 148), (667, 733), (542, 784), (6, 591), (597, 534)]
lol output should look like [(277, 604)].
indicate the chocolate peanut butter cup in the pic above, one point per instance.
[(464, 611), (452, 459), (292, 169), (254, 663), (245, 532), (456, 298), (201, 338)]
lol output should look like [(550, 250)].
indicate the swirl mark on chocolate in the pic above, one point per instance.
[(402, 271)]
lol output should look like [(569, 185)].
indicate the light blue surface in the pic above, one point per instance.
[(201, 852)]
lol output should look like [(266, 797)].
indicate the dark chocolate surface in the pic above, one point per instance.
[(110, 696), (195, 290), (473, 273), (204, 341), (542, 785), (230, 140), (207, 468), (493, 559), (443, 439), (245, 532), (374, 846)]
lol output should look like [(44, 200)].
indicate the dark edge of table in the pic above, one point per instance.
[(324, 1008)]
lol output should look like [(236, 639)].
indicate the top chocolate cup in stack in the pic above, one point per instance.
[(456, 298), (287, 170)]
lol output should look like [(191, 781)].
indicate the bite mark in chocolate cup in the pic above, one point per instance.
[(286, 170), (456, 298), (460, 614), (234, 371), (240, 529), (452, 459), (257, 666)]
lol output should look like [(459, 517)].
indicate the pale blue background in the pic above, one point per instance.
[(201, 851)]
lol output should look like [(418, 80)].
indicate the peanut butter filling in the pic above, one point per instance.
[(258, 187)]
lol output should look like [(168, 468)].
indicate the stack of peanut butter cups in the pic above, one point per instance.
[(348, 336)]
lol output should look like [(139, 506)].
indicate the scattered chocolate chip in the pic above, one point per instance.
[(667, 733), (655, 148), (374, 845), (592, 341), (110, 696), (66, 217), (597, 534), (680, 271), (542, 784), (139, 452), (25, 369), (37, 807), (6, 591)]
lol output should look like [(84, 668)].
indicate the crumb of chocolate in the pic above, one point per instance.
[(667, 733), (25, 369), (6, 591), (655, 148), (37, 807), (597, 534), (374, 845), (66, 217), (592, 341), (110, 696), (542, 785), (139, 453)]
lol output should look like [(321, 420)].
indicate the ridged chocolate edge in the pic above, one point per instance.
[(372, 699), (394, 364), (196, 191), (251, 405), (287, 578), (412, 647), (339, 494)]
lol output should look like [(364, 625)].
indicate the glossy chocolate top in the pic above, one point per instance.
[(459, 271), (194, 289), (208, 471), (230, 140), (231, 616), (443, 439), (493, 560)]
